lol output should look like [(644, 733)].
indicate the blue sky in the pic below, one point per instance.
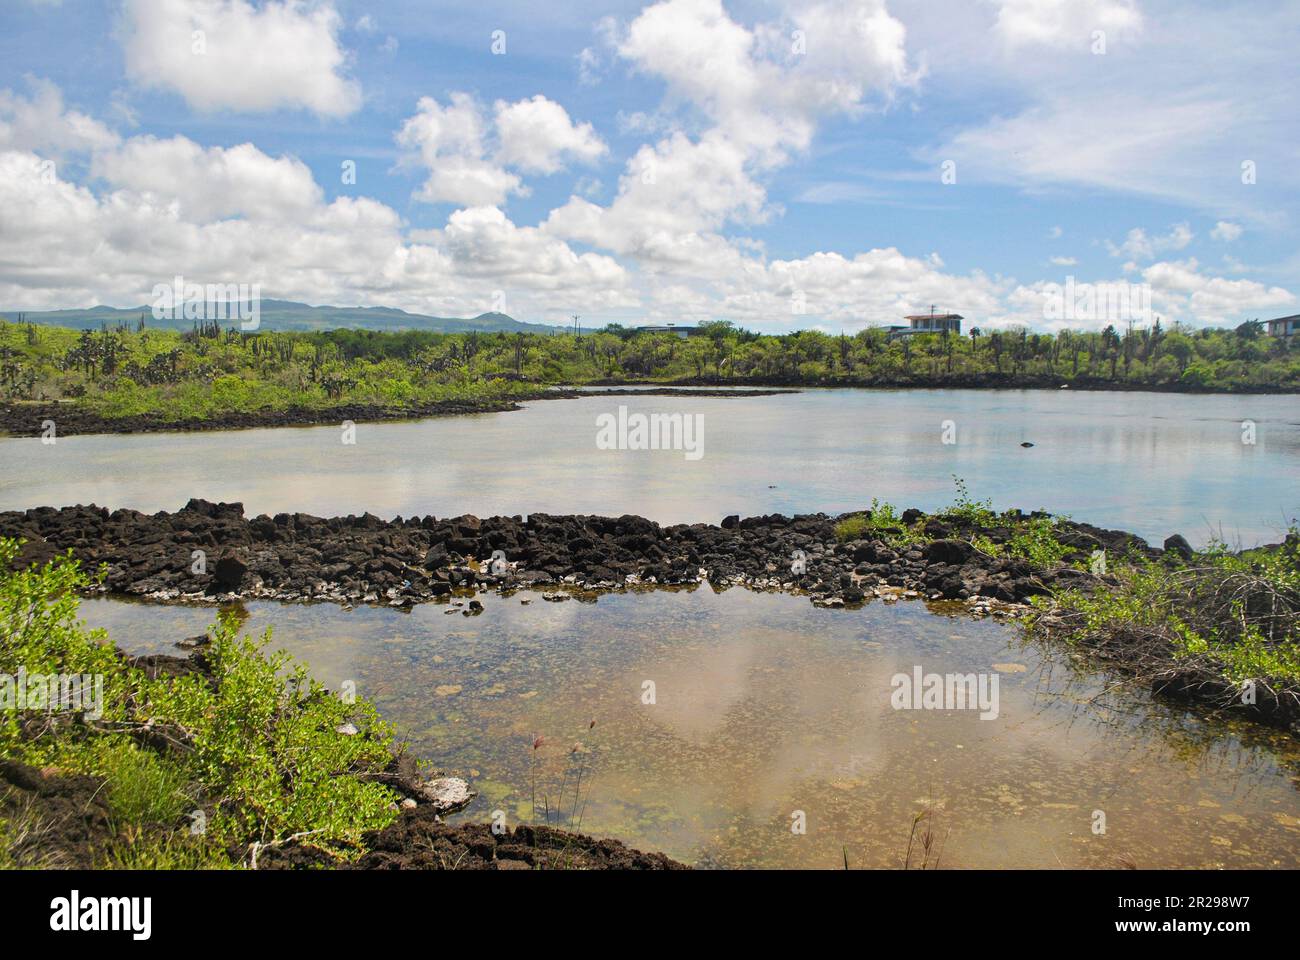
[(781, 165)]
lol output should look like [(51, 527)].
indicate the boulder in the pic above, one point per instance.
[(1177, 544), (229, 571), (950, 552), (445, 794)]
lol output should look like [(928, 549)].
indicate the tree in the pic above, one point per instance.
[(1250, 330)]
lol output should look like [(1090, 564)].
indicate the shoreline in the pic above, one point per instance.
[(354, 560), (25, 419), (972, 381)]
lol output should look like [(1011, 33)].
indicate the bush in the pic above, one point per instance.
[(964, 510), (1035, 541), (1236, 615), (252, 743)]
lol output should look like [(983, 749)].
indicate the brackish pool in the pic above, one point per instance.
[(766, 706)]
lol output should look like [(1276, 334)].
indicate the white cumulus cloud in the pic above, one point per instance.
[(1139, 246), (41, 122), (230, 54), (537, 135)]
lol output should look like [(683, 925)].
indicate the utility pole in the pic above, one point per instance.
[(577, 327)]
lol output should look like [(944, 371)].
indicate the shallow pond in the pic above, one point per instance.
[(764, 707)]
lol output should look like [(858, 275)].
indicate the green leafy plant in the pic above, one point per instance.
[(882, 522), (964, 509), (251, 745), (1035, 540)]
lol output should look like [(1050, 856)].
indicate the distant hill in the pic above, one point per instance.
[(288, 315)]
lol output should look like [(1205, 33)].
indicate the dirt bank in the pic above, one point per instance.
[(51, 820)]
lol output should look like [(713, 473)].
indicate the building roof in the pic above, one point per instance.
[(1294, 316), (936, 316)]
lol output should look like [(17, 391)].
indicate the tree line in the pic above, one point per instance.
[(138, 368)]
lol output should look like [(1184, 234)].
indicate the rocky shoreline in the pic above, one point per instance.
[(27, 419), (71, 418), (212, 553)]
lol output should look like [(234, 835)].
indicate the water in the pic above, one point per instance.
[(1154, 464), (766, 706)]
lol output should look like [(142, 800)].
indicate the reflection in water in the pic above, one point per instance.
[(765, 706), (1154, 464)]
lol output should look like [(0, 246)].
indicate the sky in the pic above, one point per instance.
[(822, 164)]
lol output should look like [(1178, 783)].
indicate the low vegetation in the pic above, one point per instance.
[(881, 522), (1234, 616), (199, 766), (209, 371), (1230, 618), (1033, 538)]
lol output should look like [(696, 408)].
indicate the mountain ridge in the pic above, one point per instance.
[(287, 315)]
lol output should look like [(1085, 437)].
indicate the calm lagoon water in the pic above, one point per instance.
[(765, 705), (1155, 464)]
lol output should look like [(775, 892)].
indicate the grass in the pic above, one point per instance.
[(139, 849), (924, 842), (576, 768), (141, 786), (24, 841)]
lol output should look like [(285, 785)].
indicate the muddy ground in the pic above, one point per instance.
[(419, 840)]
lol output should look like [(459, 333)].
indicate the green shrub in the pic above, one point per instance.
[(974, 513), (1035, 540), (255, 746), (882, 522)]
